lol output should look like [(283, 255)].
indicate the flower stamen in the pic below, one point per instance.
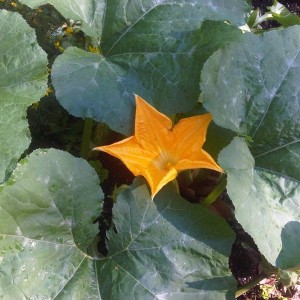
[(164, 161)]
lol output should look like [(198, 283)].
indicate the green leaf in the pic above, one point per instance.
[(145, 49), (166, 249), (89, 12), (260, 101), (23, 80), (118, 17), (260, 98), (269, 212), (46, 212), (238, 162)]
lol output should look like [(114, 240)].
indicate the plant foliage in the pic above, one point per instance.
[(264, 108), (23, 77), (166, 248)]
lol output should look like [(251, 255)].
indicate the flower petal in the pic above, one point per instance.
[(152, 128), (158, 178), (131, 154), (157, 152), (199, 160), (190, 135)]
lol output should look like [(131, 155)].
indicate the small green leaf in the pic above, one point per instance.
[(46, 211), (168, 249), (288, 278), (23, 81), (237, 160), (282, 15)]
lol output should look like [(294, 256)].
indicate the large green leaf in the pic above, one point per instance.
[(120, 16), (46, 214), (163, 249), (266, 204), (166, 249), (152, 48), (252, 88), (23, 80)]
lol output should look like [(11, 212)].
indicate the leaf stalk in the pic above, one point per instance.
[(86, 137), (216, 192), (248, 286)]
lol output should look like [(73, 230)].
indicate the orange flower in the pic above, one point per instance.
[(158, 151)]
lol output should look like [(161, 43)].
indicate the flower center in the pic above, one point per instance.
[(165, 161)]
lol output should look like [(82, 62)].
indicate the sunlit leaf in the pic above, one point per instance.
[(23, 81), (165, 249), (260, 101), (238, 162), (46, 210), (266, 204), (152, 48)]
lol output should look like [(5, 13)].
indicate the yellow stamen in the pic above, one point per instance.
[(165, 161)]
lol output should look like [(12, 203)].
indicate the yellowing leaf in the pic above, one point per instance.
[(157, 151)]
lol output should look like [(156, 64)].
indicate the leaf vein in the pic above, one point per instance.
[(277, 148), (275, 92)]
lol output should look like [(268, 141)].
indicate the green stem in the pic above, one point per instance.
[(216, 192), (245, 288), (265, 17), (268, 270), (86, 137)]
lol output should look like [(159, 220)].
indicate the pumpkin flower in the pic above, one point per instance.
[(158, 151)]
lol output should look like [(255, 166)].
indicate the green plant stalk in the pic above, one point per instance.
[(216, 192), (268, 270), (245, 288), (265, 17), (86, 137)]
